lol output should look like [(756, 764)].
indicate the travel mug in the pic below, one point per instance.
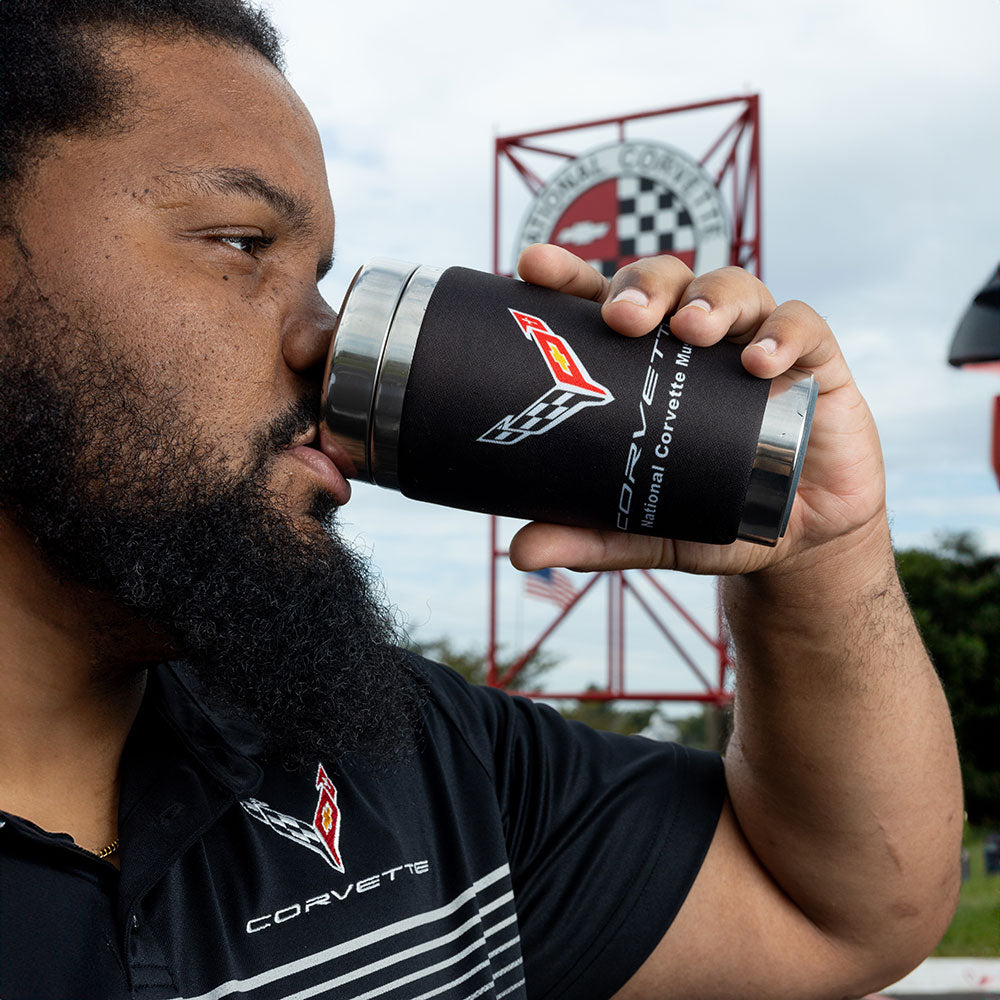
[(490, 394)]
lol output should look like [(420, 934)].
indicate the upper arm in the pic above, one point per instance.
[(739, 935)]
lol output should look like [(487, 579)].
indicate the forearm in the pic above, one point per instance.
[(842, 768)]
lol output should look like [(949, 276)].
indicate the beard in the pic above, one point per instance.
[(278, 624)]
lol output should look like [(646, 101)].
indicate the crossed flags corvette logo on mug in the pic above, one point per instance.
[(573, 390), (322, 837)]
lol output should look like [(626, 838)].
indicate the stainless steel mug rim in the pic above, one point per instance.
[(394, 373), (781, 449), (356, 354)]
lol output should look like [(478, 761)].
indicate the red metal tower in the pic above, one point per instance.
[(729, 134)]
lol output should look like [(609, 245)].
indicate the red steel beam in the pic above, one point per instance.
[(518, 665), (496, 207), (713, 698), (680, 609), (531, 179), (670, 637), (491, 653), (736, 122), (620, 679), (996, 437), (620, 119), (730, 160), (541, 149)]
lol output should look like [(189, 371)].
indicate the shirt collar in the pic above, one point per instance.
[(226, 747), (182, 768)]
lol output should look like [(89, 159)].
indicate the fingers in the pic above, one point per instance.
[(729, 302), (795, 335), (539, 545), (732, 303), (635, 300), (554, 267), (641, 294)]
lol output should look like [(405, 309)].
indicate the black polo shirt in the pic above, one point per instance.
[(512, 855)]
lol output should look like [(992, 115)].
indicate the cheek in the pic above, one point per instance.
[(220, 359), (212, 343), (215, 350)]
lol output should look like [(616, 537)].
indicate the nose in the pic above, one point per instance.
[(306, 338)]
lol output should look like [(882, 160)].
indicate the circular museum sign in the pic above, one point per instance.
[(627, 200)]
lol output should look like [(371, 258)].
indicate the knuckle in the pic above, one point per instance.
[(730, 285), (739, 273), (737, 281), (797, 318), (728, 275), (674, 267), (798, 307), (650, 273)]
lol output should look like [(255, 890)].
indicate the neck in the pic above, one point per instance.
[(71, 681)]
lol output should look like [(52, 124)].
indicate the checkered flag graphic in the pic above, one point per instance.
[(651, 220), (542, 415), (298, 830)]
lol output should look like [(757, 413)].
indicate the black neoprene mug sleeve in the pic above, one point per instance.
[(522, 401), (489, 394)]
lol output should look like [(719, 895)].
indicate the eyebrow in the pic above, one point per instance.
[(250, 184)]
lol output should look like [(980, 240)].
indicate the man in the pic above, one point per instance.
[(346, 821)]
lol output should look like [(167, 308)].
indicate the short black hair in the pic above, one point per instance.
[(56, 78)]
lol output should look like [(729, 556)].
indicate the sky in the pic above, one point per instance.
[(880, 155)]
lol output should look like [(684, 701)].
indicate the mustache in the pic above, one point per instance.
[(281, 432), (294, 422)]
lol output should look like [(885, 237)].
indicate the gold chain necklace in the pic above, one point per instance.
[(106, 852)]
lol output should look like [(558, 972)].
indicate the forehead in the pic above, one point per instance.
[(203, 103)]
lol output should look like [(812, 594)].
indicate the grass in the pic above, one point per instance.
[(975, 931)]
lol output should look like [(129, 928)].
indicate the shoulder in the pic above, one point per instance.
[(478, 708)]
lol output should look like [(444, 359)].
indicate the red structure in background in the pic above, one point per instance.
[(995, 439), (732, 159)]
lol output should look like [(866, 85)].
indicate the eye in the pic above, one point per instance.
[(251, 245)]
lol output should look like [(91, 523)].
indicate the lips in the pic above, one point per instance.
[(331, 474)]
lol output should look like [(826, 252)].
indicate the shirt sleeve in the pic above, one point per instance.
[(605, 833)]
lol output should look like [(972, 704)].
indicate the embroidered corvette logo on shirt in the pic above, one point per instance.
[(322, 837)]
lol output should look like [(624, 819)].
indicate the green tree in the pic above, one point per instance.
[(471, 664), (608, 716), (710, 729), (955, 595)]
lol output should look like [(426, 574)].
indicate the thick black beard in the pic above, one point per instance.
[(276, 624)]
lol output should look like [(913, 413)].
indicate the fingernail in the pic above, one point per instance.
[(698, 304), (634, 295), (768, 344)]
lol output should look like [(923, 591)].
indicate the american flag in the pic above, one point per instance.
[(550, 585)]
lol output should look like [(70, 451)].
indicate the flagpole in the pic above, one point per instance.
[(491, 657)]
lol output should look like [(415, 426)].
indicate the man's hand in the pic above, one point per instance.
[(842, 489)]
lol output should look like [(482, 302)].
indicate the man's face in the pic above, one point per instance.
[(198, 237), (162, 344)]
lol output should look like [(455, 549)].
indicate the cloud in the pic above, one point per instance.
[(880, 209)]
